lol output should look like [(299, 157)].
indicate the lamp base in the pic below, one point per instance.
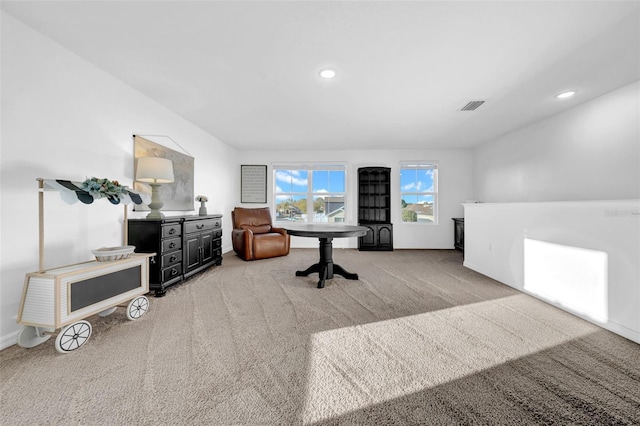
[(155, 214), (156, 203)]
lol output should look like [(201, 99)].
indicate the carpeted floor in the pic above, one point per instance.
[(419, 339)]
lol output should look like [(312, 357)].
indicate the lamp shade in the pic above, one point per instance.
[(154, 170)]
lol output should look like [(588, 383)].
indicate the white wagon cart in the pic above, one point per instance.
[(63, 297)]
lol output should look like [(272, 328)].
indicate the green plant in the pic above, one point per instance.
[(100, 188), (409, 216)]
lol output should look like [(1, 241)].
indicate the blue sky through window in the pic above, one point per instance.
[(291, 181), (328, 181), (416, 180), (288, 181)]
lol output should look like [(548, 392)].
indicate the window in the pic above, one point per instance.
[(310, 193), (419, 192)]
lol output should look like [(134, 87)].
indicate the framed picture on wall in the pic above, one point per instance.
[(253, 184), (178, 195)]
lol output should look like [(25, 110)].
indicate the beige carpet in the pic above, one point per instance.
[(417, 340)]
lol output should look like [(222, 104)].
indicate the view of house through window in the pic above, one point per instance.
[(418, 192), (310, 193)]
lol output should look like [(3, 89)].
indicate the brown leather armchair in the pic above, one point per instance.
[(254, 237)]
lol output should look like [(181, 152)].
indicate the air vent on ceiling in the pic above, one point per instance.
[(472, 105)]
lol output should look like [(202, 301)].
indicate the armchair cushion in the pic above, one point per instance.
[(261, 229), (251, 217)]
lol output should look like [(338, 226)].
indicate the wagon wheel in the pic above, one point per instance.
[(73, 336), (31, 336), (137, 307)]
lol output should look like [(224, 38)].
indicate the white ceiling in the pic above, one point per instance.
[(247, 71)]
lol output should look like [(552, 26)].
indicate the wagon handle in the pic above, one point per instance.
[(40, 225)]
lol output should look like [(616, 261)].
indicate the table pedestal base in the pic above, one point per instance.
[(325, 267)]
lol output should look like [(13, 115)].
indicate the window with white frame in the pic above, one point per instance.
[(310, 192), (419, 192)]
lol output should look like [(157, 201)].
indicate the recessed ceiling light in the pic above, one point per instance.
[(565, 95), (327, 73)]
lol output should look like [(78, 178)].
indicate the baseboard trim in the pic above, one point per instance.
[(9, 340)]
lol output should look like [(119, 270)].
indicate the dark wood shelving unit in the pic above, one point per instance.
[(374, 208)]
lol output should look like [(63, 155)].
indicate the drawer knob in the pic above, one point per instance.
[(172, 231), (174, 271), (200, 226), (172, 258), (172, 245)]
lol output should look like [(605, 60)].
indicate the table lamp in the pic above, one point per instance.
[(154, 171)]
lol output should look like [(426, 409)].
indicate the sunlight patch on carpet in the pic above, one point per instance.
[(354, 367)]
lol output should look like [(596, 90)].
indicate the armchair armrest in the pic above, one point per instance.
[(242, 240), (284, 233), (279, 230)]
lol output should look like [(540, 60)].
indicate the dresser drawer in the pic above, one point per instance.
[(171, 230), (171, 244), (171, 259), (171, 272), (200, 225)]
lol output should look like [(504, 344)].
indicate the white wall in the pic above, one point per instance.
[(65, 118), (590, 152), (586, 157), (582, 256), (455, 186)]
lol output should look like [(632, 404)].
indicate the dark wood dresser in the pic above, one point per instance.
[(458, 233), (184, 246)]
